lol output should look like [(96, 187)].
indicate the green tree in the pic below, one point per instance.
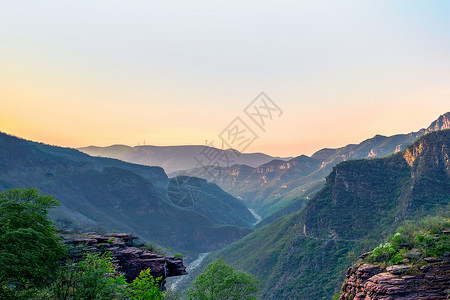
[(220, 281), (144, 287), (30, 250), (93, 278), (97, 278)]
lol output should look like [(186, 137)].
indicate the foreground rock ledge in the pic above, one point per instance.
[(431, 281), (129, 259)]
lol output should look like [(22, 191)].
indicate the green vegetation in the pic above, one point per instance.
[(30, 251), (96, 278), (106, 194), (31, 254), (305, 255), (93, 278), (144, 287), (427, 237), (220, 281)]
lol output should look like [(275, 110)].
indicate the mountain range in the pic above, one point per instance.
[(176, 158), (320, 211), (304, 255), (278, 184), (188, 215)]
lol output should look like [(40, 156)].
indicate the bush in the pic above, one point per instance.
[(382, 253), (426, 236)]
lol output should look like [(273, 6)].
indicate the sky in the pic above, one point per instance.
[(79, 73)]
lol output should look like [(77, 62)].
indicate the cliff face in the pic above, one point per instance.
[(129, 259), (431, 281)]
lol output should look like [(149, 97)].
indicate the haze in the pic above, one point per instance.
[(78, 73)]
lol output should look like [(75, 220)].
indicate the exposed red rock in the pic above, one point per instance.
[(129, 259), (431, 281)]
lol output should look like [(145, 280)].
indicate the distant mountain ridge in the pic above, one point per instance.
[(176, 158), (112, 195), (275, 185)]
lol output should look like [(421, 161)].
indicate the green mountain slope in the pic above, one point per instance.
[(114, 195), (272, 186), (304, 255)]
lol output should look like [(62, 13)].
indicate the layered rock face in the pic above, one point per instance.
[(431, 281), (129, 259)]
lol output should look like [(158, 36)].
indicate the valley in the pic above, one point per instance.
[(299, 249), (225, 150)]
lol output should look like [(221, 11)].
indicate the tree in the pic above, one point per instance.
[(144, 287), (98, 279), (95, 277), (30, 250), (220, 281)]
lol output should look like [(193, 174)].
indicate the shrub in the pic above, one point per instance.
[(426, 236)]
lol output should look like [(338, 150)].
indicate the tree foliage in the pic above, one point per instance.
[(93, 278), (144, 287), (31, 254), (30, 250), (220, 281)]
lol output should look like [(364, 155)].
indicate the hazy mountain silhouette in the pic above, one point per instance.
[(176, 158)]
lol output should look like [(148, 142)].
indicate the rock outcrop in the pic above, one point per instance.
[(367, 281), (129, 258)]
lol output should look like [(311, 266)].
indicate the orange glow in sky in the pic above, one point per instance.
[(177, 73)]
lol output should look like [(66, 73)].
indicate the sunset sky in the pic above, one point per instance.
[(79, 73)]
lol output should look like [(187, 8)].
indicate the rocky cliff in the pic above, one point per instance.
[(129, 259), (413, 265), (368, 281)]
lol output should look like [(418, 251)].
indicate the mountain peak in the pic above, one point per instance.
[(443, 122)]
